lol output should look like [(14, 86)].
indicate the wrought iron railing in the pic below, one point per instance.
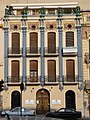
[(33, 50), (32, 79), (14, 50), (51, 50), (70, 78), (14, 79), (52, 78)]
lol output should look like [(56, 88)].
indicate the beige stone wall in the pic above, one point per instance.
[(55, 93)]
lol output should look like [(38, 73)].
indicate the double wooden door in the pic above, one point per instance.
[(42, 101)]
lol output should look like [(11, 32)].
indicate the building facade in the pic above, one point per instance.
[(43, 49)]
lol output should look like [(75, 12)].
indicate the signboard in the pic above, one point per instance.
[(29, 101), (56, 101)]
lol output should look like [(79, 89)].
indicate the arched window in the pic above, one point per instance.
[(51, 42), (70, 70), (15, 43), (51, 71), (33, 42), (69, 39), (33, 71), (15, 71)]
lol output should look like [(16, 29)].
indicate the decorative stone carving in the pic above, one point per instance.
[(51, 26), (69, 26), (77, 11), (42, 12), (15, 27), (33, 26)]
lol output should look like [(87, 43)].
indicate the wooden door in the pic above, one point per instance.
[(33, 42), (70, 71), (42, 101), (15, 99), (51, 42), (15, 43), (51, 71)]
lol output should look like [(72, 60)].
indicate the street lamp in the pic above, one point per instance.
[(21, 88)]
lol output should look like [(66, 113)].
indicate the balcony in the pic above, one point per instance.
[(52, 79), (33, 51), (14, 79), (70, 79), (32, 79), (71, 51), (14, 51), (51, 51)]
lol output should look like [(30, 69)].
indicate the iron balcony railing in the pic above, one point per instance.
[(14, 50), (14, 79), (32, 79), (51, 50), (70, 78), (33, 50), (52, 78)]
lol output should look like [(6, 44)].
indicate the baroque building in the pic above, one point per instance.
[(43, 49)]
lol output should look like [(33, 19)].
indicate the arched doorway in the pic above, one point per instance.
[(70, 99), (15, 99), (42, 101)]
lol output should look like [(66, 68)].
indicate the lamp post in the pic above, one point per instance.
[(21, 88)]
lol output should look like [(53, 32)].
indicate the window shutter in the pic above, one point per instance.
[(69, 39)]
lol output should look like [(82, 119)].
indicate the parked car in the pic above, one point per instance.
[(65, 113), (17, 111)]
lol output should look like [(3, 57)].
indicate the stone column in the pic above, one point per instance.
[(79, 44), (5, 53), (42, 49), (60, 53), (24, 51)]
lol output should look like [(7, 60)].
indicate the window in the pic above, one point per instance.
[(15, 43), (15, 71), (70, 71), (33, 71), (51, 71), (33, 42), (69, 39), (51, 42)]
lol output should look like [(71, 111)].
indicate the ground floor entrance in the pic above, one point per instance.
[(42, 101)]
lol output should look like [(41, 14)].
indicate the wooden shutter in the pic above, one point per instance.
[(15, 71), (69, 39), (51, 71), (51, 42), (33, 42), (70, 69), (15, 43)]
